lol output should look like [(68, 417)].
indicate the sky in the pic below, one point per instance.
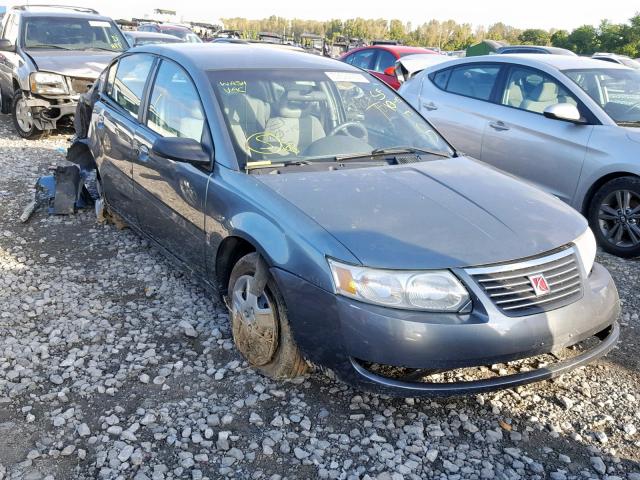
[(545, 14)]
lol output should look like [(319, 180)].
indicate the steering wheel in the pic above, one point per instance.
[(344, 127)]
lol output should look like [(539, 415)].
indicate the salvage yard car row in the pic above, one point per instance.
[(318, 203)]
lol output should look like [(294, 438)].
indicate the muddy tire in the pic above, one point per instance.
[(261, 330), (22, 119)]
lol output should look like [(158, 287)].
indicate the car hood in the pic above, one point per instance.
[(83, 64), (439, 214)]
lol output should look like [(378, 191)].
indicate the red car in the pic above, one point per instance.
[(380, 60)]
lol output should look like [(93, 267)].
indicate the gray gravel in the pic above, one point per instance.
[(113, 364)]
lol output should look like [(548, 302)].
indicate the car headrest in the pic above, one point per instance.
[(545, 92), (294, 103)]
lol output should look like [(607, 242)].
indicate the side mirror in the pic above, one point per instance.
[(6, 45), (391, 71), (185, 150), (563, 111)]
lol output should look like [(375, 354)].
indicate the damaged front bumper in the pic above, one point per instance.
[(47, 112), (368, 345)]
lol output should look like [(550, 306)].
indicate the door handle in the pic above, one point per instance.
[(142, 152), (430, 106), (100, 122), (499, 125)]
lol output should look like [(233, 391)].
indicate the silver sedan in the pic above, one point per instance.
[(569, 125)]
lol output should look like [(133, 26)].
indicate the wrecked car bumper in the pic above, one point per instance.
[(47, 112), (348, 336)]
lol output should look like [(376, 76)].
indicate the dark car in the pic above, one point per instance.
[(136, 39), (49, 56), (179, 31), (380, 60), (340, 228), (534, 49)]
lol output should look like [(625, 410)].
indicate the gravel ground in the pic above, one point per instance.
[(115, 365)]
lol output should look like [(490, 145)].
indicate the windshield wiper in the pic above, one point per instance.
[(378, 152), (42, 45), (401, 150), (635, 123)]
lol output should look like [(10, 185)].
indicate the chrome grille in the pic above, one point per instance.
[(510, 289), (81, 85)]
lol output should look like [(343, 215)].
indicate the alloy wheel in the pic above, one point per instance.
[(619, 218), (255, 325), (23, 115)]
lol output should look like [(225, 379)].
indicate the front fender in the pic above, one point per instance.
[(285, 249)]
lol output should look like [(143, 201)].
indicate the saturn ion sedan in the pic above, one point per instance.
[(338, 225)]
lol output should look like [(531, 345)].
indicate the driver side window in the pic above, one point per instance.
[(534, 91)]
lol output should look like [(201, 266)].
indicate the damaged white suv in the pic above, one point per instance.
[(49, 56)]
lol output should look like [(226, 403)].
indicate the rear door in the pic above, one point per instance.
[(172, 194), (116, 122), (523, 142), (457, 100)]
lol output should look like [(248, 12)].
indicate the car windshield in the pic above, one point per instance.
[(617, 91), (72, 34), (313, 115)]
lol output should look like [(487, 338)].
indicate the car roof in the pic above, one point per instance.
[(559, 62), (399, 49), (58, 12), (138, 34), (229, 56)]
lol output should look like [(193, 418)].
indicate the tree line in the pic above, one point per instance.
[(623, 38)]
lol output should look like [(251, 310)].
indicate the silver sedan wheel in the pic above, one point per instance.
[(619, 218), (23, 115), (254, 325)]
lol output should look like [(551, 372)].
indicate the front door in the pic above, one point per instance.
[(522, 141), (171, 194)]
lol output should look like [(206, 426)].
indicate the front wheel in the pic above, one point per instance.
[(614, 216), (260, 327), (23, 118)]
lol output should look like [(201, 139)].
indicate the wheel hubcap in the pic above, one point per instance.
[(255, 326), (619, 218), (23, 115)]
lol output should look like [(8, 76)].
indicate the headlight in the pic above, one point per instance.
[(48, 83), (434, 291), (586, 246)]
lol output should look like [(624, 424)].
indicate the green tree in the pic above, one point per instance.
[(535, 36), (560, 39), (584, 40)]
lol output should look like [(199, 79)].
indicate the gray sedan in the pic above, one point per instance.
[(566, 124), (339, 226)]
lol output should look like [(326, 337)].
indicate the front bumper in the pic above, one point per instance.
[(342, 334), (47, 112)]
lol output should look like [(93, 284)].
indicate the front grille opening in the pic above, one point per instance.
[(482, 372), (510, 288)]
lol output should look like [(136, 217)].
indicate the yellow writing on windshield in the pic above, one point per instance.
[(231, 87)]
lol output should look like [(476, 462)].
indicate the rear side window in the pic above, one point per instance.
[(111, 76), (175, 109), (441, 78), (129, 81), (475, 81)]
